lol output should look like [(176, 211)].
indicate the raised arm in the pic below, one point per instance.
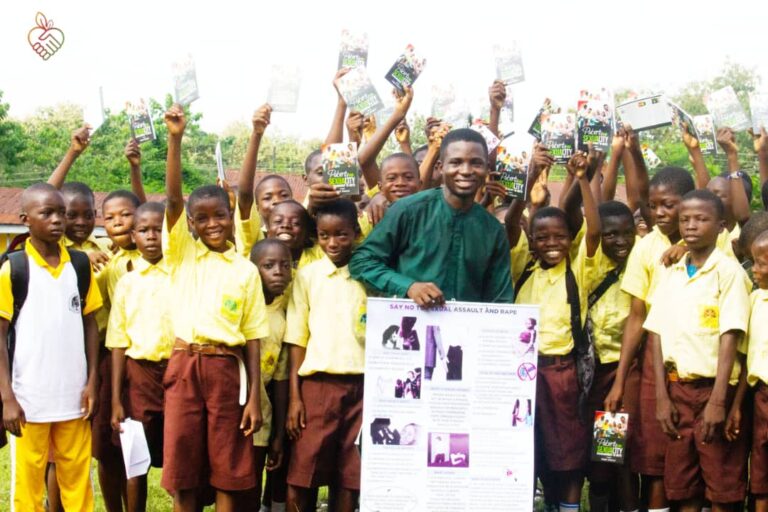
[(78, 143), (636, 174), (610, 172), (336, 133), (739, 200), (541, 160), (133, 154), (260, 121), (696, 158), (436, 130), (497, 94), (761, 148), (369, 152), (578, 167), (403, 136), (355, 122), (174, 205)]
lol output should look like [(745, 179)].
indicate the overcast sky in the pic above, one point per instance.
[(128, 47)]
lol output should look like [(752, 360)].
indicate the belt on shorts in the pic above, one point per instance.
[(673, 376), (218, 350), (551, 360)]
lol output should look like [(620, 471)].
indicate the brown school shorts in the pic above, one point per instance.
[(716, 470), (326, 452), (758, 477), (561, 438), (648, 444), (105, 442), (202, 425), (143, 392)]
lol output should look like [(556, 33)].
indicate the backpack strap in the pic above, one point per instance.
[(577, 329), (527, 271), (608, 281), (82, 266), (19, 281)]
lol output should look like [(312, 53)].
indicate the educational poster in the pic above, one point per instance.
[(724, 106), (283, 94), (140, 120), (449, 407), (185, 81)]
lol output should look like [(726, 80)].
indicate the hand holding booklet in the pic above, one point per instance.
[(135, 449)]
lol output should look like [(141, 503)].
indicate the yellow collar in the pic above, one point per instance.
[(329, 268), (143, 266), (39, 260), (202, 250)]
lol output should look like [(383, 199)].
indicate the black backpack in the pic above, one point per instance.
[(20, 286)]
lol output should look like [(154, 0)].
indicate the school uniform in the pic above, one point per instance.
[(757, 377), (140, 323), (333, 333), (218, 306), (690, 313), (607, 317), (561, 438), (49, 375), (106, 443)]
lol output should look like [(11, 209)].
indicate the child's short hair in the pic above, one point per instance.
[(150, 207), (677, 178), (549, 212), (122, 194), (343, 208), (308, 160), (73, 189), (33, 190), (271, 177), (615, 209), (400, 156), (207, 192), (462, 135), (761, 239), (420, 149), (757, 224), (707, 196), (261, 247)]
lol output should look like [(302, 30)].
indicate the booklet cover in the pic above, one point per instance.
[(140, 119), (547, 109), (725, 108), (609, 437), (220, 174), (758, 105), (406, 69), (511, 173), (491, 140), (683, 120), (645, 113), (185, 81), (283, 95), (354, 49), (358, 91), (705, 127), (509, 63), (340, 167), (594, 120), (652, 161), (558, 133)]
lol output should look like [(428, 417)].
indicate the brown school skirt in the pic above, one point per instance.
[(202, 425), (561, 438), (758, 479), (326, 452), (143, 392), (716, 470)]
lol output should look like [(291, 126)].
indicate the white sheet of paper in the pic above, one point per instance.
[(135, 449), (220, 164)]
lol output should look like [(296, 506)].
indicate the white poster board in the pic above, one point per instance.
[(450, 395)]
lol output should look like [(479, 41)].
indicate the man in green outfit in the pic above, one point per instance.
[(439, 244)]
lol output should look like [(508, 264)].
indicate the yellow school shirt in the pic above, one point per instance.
[(92, 298), (546, 287), (757, 334), (217, 296), (326, 315), (609, 314), (248, 232), (691, 313), (91, 244), (140, 317), (271, 345), (121, 263)]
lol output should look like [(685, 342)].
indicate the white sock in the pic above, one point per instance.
[(658, 509), (265, 508), (569, 507), (278, 507), (636, 510), (706, 509)]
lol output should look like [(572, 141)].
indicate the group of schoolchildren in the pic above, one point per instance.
[(231, 324)]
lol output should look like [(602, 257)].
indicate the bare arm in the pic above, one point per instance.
[(739, 200), (13, 414), (245, 180), (252, 420), (92, 345), (497, 93), (696, 158), (133, 154), (610, 171), (296, 419), (630, 345), (79, 142), (174, 206)]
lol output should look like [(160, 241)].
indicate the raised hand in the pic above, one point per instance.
[(497, 94), (403, 132), (133, 153), (261, 118), (175, 120), (727, 140), (80, 140)]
